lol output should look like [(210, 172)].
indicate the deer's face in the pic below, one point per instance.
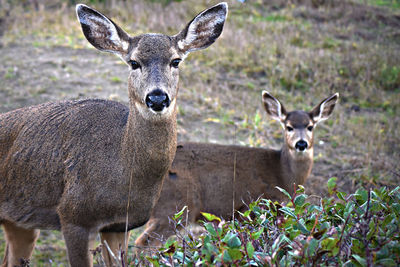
[(298, 127), (154, 74), (153, 58)]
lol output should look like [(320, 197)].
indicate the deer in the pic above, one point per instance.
[(210, 177), (92, 165)]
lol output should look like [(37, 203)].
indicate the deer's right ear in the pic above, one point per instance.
[(203, 30), (273, 107), (101, 31), (324, 109)]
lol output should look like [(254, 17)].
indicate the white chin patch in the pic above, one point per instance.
[(149, 113)]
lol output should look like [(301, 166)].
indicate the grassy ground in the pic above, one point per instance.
[(301, 52)]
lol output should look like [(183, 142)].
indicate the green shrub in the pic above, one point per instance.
[(360, 229), (389, 78)]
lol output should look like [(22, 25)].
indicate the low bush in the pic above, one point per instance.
[(360, 229)]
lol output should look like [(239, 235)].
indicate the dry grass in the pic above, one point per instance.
[(299, 53)]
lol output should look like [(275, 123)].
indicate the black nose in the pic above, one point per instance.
[(301, 145), (157, 100)]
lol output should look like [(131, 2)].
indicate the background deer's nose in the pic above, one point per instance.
[(157, 100), (301, 145)]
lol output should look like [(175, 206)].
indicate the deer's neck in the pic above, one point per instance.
[(148, 147), (295, 166)]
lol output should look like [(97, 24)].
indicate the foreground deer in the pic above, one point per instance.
[(202, 175), (84, 166)]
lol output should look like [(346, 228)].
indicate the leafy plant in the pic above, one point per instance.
[(360, 229)]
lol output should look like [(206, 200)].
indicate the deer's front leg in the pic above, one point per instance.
[(115, 242), (77, 243), (20, 243)]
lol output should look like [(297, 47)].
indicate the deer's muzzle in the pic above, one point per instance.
[(301, 145), (157, 100)]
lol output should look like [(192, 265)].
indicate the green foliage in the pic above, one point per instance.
[(360, 229), (388, 3), (389, 78)]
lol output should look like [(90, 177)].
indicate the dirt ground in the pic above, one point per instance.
[(220, 96)]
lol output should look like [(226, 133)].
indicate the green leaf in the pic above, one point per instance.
[(359, 260), (385, 262), (348, 209), (302, 228), (341, 196), (335, 251), (329, 243), (210, 228), (209, 247), (288, 211), (179, 214), (312, 246), (299, 200), (227, 258), (331, 185), (235, 253), (227, 237), (169, 242), (284, 192), (210, 217), (300, 189), (257, 234), (153, 260), (396, 207), (250, 249), (394, 191), (361, 195), (234, 242), (246, 213)]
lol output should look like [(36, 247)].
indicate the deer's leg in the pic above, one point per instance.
[(77, 243), (19, 244), (157, 230), (115, 242)]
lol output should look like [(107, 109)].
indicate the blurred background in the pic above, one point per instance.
[(300, 51)]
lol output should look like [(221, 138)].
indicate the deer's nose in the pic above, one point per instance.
[(301, 145), (157, 100)]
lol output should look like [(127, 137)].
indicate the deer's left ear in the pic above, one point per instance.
[(324, 109), (203, 30)]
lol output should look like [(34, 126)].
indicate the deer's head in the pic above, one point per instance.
[(153, 58), (299, 125)]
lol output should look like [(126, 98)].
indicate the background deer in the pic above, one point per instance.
[(83, 166), (202, 175)]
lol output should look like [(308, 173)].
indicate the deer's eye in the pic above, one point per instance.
[(134, 64), (289, 129), (175, 62), (310, 128)]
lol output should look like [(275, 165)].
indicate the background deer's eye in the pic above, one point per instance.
[(289, 129), (134, 64), (310, 128), (175, 62)]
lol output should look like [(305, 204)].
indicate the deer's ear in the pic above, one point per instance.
[(203, 30), (273, 107), (324, 109), (101, 31)]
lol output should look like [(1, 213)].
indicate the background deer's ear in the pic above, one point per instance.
[(273, 107), (101, 31), (324, 109), (203, 30)]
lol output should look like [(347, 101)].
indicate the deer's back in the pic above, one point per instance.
[(49, 154), (204, 174)]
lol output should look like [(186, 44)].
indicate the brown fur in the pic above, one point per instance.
[(204, 176), (82, 166)]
